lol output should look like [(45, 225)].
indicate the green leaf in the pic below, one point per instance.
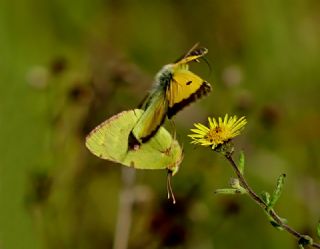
[(265, 197), (284, 220), (318, 229), (276, 225), (241, 162), (305, 240), (227, 191), (277, 192)]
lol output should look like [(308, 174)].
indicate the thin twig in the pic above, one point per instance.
[(262, 204)]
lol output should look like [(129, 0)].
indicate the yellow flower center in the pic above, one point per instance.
[(218, 135)]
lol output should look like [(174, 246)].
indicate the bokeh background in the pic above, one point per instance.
[(66, 66)]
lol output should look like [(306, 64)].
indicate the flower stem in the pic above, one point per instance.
[(263, 205)]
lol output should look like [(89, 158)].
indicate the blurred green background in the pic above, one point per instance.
[(65, 66)]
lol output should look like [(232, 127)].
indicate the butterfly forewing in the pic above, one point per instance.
[(152, 118), (185, 88)]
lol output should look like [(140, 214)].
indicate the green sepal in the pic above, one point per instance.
[(277, 192), (225, 149), (241, 162)]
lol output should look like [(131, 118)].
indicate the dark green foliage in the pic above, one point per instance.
[(241, 163), (266, 198), (277, 192)]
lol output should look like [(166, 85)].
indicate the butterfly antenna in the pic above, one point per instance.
[(174, 129), (208, 63), (188, 53), (169, 187), (191, 49)]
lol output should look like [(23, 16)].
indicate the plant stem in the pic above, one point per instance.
[(262, 204), (126, 200)]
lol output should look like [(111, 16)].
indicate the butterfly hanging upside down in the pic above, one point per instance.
[(174, 88)]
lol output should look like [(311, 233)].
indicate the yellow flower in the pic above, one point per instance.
[(218, 132)]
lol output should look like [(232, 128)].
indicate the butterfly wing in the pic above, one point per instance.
[(107, 141), (185, 88), (152, 118)]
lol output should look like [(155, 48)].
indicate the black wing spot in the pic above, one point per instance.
[(189, 82)]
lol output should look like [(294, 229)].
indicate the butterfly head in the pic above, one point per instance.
[(174, 167), (199, 51), (166, 73), (164, 76), (192, 55)]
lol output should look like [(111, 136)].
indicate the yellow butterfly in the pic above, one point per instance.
[(174, 88)]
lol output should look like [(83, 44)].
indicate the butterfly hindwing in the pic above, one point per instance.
[(185, 87)]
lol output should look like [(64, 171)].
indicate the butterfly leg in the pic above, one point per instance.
[(169, 187)]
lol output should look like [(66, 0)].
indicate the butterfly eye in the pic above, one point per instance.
[(189, 82)]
